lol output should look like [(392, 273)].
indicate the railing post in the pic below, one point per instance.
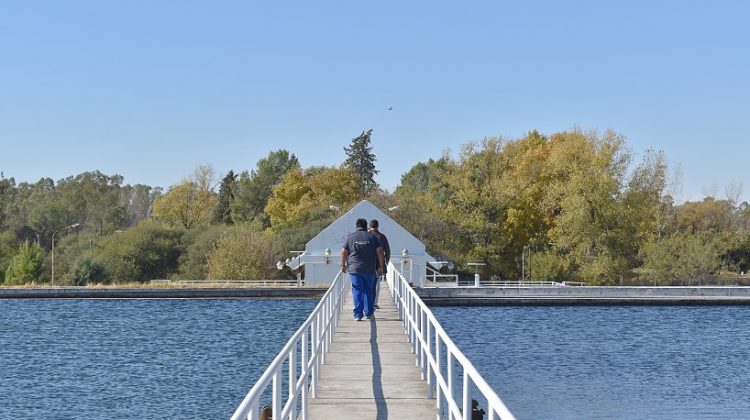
[(418, 337), (305, 374), (425, 348), (293, 380), (314, 355), (466, 396), (438, 371), (254, 412), (451, 382), (327, 326), (276, 394), (321, 338)]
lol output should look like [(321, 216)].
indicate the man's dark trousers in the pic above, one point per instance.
[(362, 293)]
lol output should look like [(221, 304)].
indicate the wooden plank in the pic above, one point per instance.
[(370, 372)]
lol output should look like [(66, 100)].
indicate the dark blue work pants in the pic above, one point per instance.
[(362, 293)]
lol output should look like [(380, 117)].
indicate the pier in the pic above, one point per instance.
[(400, 364), (370, 371)]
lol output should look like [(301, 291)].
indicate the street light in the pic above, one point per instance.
[(523, 261), (74, 225)]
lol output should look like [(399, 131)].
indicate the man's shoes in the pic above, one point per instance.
[(376, 307), (368, 316), (357, 318)]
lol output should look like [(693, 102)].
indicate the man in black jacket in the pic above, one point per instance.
[(374, 225)]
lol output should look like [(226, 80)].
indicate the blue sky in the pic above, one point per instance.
[(151, 89)]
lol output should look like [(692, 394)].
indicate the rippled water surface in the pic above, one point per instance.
[(610, 362), (137, 359)]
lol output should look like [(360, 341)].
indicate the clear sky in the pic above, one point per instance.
[(151, 89)]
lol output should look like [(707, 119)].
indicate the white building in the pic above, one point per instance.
[(322, 256)]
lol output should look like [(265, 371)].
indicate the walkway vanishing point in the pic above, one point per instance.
[(370, 371), (399, 365)]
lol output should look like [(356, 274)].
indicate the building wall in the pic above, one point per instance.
[(318, 272)]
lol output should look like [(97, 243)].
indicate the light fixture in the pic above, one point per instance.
[(74, 225)]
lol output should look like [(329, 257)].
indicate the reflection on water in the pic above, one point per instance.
[(105, 359), (610, 362)]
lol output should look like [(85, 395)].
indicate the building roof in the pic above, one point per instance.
[(333, 236)]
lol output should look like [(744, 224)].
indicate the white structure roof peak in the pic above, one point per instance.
[(320, 269)]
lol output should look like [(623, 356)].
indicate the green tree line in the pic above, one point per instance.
[(573, 205)]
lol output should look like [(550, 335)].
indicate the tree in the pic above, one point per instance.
[(7, 250), (242, 254), (7, 192), (26, 265), (148, 251), (361, 161), (222, 212), (190, 203), (198, 245), (300, 194), (94, 200), (86, 271), (253, 190), (138, 201), (682, 258)]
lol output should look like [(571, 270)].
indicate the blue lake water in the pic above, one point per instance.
[(126, 359), (137, 359), (610, 362)]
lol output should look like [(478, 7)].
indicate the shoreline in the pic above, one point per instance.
[(162, 293)]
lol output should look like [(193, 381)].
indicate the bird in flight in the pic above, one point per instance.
[(390, 109)]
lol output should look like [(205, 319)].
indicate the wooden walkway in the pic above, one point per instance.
[(370, 372)]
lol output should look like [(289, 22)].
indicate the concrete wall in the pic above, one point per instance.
[(568, 295)]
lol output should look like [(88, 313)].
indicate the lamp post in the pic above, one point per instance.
[(406, 257), (74, 225), (523, 262)]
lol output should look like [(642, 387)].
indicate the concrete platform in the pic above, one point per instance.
[(586, 295), (370, 372)]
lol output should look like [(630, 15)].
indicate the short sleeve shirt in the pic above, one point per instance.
[(362, 257)]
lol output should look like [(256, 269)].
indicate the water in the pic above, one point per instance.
[(610, 362), (144, 359)]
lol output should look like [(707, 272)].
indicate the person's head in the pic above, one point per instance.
[(374, 224), (361, 223)]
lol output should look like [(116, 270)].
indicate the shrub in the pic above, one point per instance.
[(548, 266), (242, 254), (86, 271), (148, 251), (26, 265)]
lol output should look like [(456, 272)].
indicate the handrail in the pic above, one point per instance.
[(434, 275), (427, 339), (305, 351)]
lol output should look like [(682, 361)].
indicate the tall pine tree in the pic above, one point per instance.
[(223, 213), (361, 161)]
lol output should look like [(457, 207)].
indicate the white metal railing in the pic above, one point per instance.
[(437, 355), (304, 352), (511, 283), (235, 283), (436, 278)]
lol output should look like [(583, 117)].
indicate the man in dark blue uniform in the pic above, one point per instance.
[(362, 257)]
